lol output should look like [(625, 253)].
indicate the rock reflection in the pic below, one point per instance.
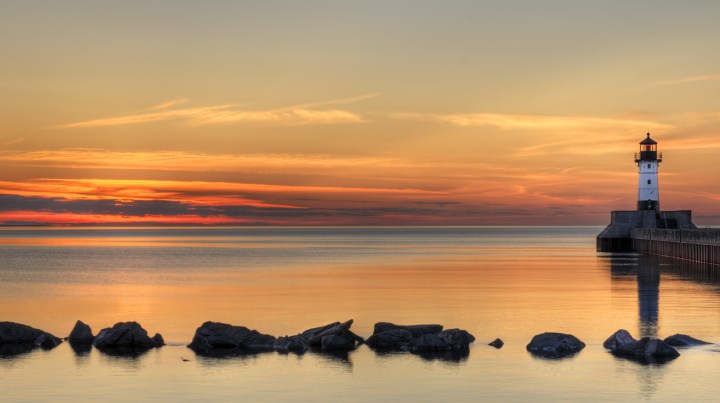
[(123, 351), (451, 356), (341, 358), (221, 353), (81, 350), (649, 360), (10, 350)]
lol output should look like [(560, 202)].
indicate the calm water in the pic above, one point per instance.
[(510, 283)]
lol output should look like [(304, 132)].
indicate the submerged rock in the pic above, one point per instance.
[(555, 345), (683, 340), (618, 339), (16, 333), (126, 334), (214, 335), (81, 334), (497, 343), (647, 349)]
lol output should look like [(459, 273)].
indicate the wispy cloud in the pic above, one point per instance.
[(231, 113), (511, 121), (168, 104), (692, 79), (190, 161)]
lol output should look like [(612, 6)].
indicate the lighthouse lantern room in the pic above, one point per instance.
[(648, 160)]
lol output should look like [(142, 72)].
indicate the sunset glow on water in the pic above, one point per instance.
[(502, 282)]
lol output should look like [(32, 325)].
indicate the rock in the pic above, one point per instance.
[(646, 349), (46, 341), (296, 344), (213, 335), (451, 339), (618, 339), (683, 340), (555, 345), (338, 329), (428, 342), (315, 338), (125, 334), (457, 339), (337, 342), (497, 343), (415, 330), (158, 339), (354, 336), (316, 330), (390, 339), (81, 334), (418, 338), (16, 333)]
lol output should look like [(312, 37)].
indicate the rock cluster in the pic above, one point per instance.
[(647, 349), (124, 338), (127, 335), (555, 345), (16, 338), (213, 338), (418, 338), (429, 341)]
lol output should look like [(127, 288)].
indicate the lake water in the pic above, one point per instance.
[(507, 282)]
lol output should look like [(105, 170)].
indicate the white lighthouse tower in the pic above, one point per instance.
[(648, 160)]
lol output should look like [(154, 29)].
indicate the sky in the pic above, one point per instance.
[(354, 113)]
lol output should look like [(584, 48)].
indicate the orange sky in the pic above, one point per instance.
[(319, 113)]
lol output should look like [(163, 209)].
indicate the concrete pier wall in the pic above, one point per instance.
[(697, 245), (618, 236)]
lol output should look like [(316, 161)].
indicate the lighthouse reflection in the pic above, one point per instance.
[(646, 270), (648, 286)]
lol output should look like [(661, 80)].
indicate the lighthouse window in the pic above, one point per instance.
[(649, 181)]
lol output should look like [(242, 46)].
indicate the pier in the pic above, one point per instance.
[(697, 245)]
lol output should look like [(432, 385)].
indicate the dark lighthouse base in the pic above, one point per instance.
[(619, 235)]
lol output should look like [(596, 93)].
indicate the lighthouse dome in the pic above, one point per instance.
[(648, 140)]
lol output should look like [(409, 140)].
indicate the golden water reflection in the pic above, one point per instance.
[(490, 290)]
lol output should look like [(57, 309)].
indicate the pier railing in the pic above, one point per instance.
[(700, 245)]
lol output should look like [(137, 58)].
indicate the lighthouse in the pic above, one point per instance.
[(648, 160), (626, 232)]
